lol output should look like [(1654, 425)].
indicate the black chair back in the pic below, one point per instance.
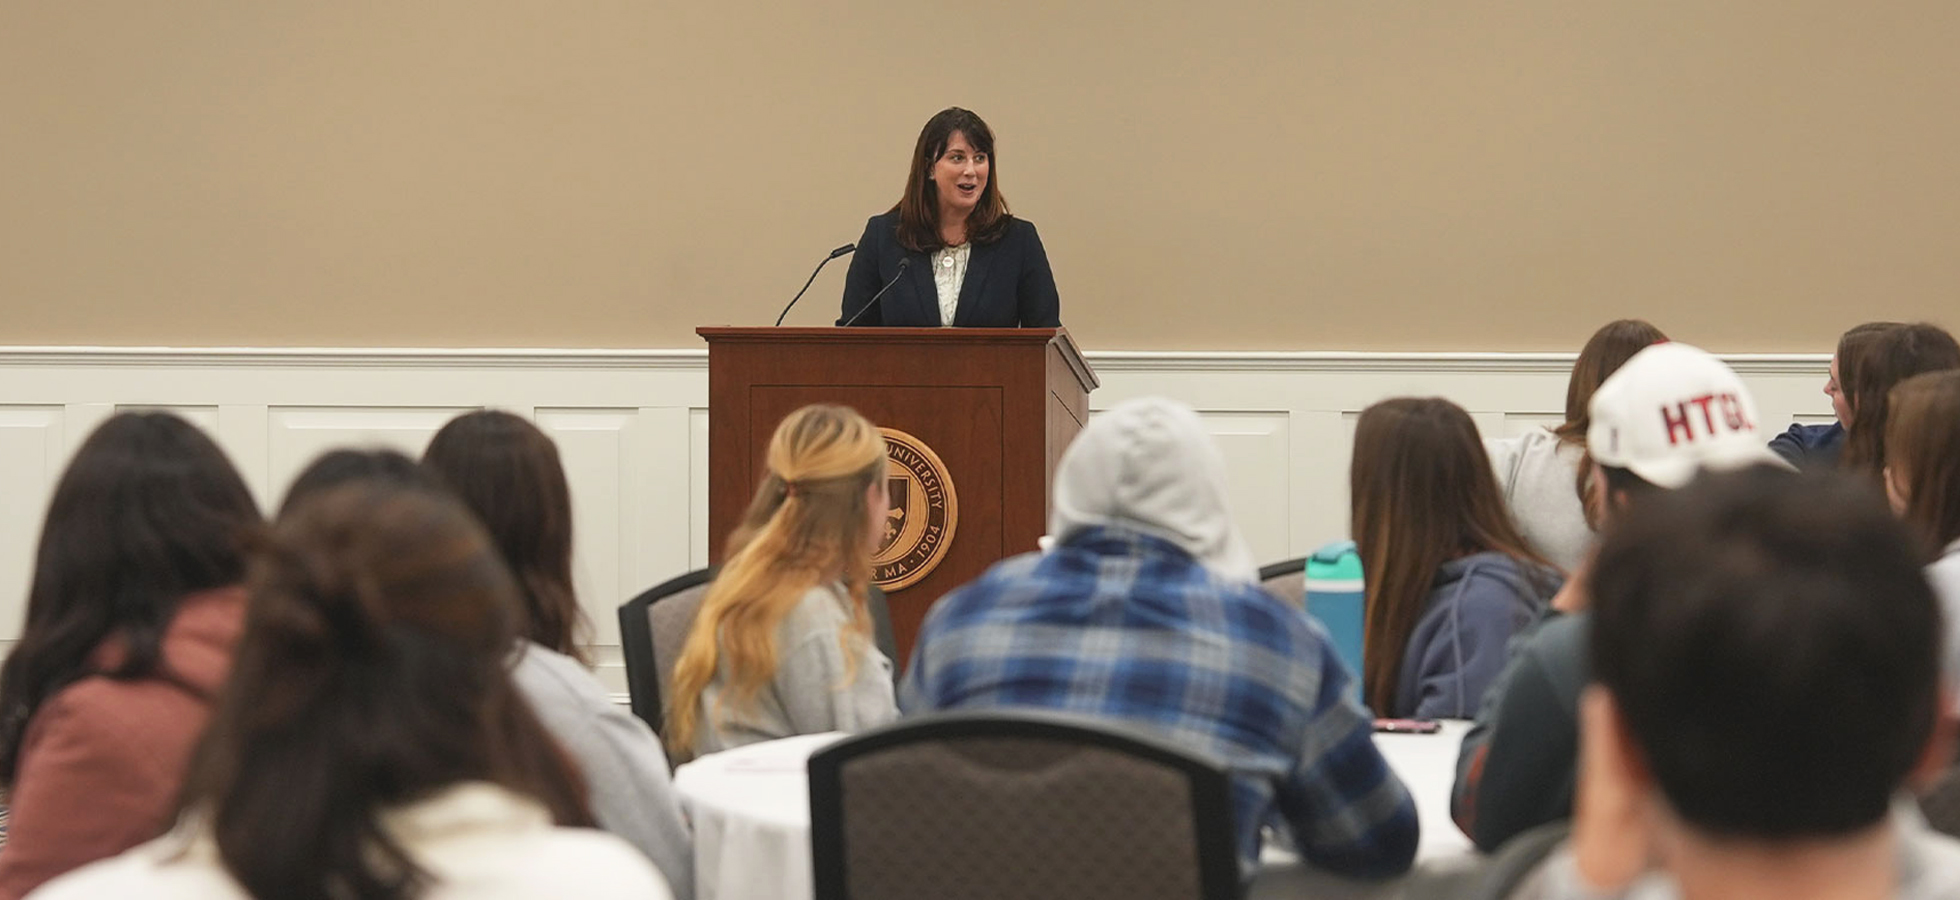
[(983, 806), (653, 628), (1286, 580), (650, 654)]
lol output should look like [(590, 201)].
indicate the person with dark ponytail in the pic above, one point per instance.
[(134, 608), (371, 743)]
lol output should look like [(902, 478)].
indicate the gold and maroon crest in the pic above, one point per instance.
[(924, 513)]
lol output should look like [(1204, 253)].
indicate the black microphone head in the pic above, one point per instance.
[(842, 250), (903, 262)]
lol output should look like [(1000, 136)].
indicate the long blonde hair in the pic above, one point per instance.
[(808, 524)]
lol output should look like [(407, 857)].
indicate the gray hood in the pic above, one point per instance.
[(1147, 465)]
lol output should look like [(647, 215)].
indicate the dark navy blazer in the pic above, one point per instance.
[(1008, 282)]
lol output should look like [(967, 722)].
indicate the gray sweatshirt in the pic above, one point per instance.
[(1538, 474), (1944, 574), (809, 693), (627, 780), (1929, 869)]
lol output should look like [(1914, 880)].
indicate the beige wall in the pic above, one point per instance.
[(1270, 174)]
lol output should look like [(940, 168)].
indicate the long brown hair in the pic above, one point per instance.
[(1852, 344), (372, 673), (507, 472), (1922, 452), (918, 207), (1880, 363), (1605, 352), (807, 524), (148, 510), (1421, 493)]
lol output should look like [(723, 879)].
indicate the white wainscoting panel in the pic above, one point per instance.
[(632, 429), (32, 452), (296, 435)]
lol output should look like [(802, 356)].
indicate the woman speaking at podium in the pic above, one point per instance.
[(950, 253)]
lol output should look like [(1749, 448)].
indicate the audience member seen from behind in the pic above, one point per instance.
[(1819, 446), (1147, 611), (1922, 478), (1542, 473), (135, 605), (1894, 355), (339, 468), (628, 784), (1766, 656), (782, 644), (507, 472), (1448, 579), (372, 744), (1670, 412)]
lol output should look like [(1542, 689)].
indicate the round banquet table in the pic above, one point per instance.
[(751, 812)]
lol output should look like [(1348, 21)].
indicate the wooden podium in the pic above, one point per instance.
[(992, 407)]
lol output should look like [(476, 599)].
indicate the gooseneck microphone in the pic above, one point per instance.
[(813, 277), (902, 263)]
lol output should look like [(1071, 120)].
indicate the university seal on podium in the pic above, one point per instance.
[(924, 512)]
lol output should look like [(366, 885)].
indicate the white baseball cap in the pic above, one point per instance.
[(1672, 411)]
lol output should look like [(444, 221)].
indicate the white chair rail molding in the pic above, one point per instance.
[(632, 428)]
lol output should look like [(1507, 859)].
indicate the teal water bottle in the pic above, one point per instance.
[(1334, 597)]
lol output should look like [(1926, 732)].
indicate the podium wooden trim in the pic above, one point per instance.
[(999, 405)]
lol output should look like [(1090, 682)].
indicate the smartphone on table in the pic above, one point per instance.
[(1407, 726)]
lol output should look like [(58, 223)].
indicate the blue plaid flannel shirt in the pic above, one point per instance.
[(1118, 624)]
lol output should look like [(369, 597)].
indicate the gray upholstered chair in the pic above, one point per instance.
[(1505, 871), (654, 625), (1286, 580), (652, 628), (1006, 804)]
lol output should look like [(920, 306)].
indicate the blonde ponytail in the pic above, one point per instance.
[(808, 525)]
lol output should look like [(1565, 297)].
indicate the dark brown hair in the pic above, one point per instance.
[(918, 207), (373, 672), (1852, 344), (149, 510), (507, 472), (1877, 365), (1421, 493), (1922, 448), (337, 468), (1734, 615)]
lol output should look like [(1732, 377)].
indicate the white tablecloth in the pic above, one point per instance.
[(1426, 763), (751, 812)]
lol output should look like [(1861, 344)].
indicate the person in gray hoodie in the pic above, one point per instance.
[(1448, 580), (1541, 473)]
